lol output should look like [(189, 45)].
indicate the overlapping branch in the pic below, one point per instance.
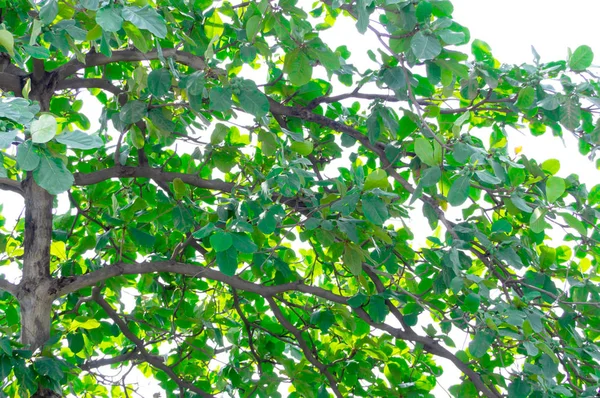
[(8, 184), (141, 348)]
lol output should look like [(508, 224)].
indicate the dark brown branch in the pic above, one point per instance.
[(433, 347), (97, 59), (10, 82), (297, 333), (11, 185), (139, 343), (152, 173), (77, 83), (93, 364), (71, 284)]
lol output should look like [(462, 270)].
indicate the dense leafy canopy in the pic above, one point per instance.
[(243, 222)]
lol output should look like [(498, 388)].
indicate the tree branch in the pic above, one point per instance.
[(151, 359), (71, 284), (10, 82), (93, 364), (297, 333), (97, 59), (11, 185), (9, 287), (152, 173), (76, 83)]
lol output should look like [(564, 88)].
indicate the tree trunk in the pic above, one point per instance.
[(36, 297)]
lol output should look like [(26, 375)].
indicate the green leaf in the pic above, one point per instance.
[(253, 27), (6, 366), (159, 82), (43, 129), (424, 46), (353, 258), (303, 148), (79, 140), (85, 322), (133, 111), (519, 388), (537, 222), (479, 346), (7, 138), (227, 261), (19, 110), (430, 176), (252, 100), (7, 41), (424, 151), (36, 51), (195, 83), (76, 342), (394, 78), (570, 114), (27, 158), (219, 134), (471, 303), (213, 25), (142, 238), (146, 18), (220, 99), (374, 209), (581, 59), (357, 300), (137, 37), (297, 66), (323, 319), (109, 18), (377, 309), (574, 223), (183, 219), (555, 187), (378, 178), (243, 243), (526, 97), (48, 367), (347, 204), (49, 12), (459, 191), (267, 223), (53, 175), (221, 240)]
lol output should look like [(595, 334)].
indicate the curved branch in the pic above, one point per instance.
[(76, 83), (9, 287), (82, 179), (71, 284), (129, 55), (11, 185), (10, 82), (143, 352), (297, 333)]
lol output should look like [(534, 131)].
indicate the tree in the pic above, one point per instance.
[(259, 267)]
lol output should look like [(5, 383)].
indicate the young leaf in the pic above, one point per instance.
[(581, 59), (146, 18), (555, 187), (227, 261), (459, 191), (43, 129), (79, 140), (52, 175)]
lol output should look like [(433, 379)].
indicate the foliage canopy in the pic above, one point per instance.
[(257, 192)]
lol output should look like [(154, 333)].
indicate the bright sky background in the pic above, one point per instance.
[(510, 27)]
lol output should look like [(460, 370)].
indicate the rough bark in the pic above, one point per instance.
[(35, 296)]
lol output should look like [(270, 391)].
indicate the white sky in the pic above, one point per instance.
[(510, 27)]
